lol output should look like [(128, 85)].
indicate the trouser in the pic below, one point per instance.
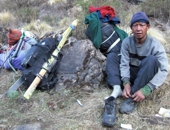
[(141, 75), (113, 69)]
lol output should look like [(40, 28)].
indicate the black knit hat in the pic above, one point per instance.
[(139, 17)]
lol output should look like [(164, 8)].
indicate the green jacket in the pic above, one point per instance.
[(95, 28)]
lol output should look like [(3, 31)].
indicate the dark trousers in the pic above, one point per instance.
[(113, 69), (141, 75)]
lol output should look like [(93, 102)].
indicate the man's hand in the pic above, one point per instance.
[(126, 91), (138, 96)]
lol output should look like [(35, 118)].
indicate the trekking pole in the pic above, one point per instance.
[(19, 45), (47, 66)]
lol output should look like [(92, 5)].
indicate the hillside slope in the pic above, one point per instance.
[(61, 111)]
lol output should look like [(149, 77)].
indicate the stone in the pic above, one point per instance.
[(81, 65)]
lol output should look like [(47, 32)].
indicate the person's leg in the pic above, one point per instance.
[(141, 76), (147, 69), (113, 73), (113, 80)]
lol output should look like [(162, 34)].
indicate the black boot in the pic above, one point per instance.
[(109, 116)]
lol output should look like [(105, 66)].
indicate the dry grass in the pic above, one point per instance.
[(5, 18), (61, 111), (51, 2), (38, 28), (158, 35)]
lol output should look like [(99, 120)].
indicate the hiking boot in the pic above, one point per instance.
[(127, 106), (109, 116)]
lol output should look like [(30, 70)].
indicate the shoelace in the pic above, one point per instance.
[(109, 107), (132, 102)]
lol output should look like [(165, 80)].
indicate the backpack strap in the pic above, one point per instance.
[(114, 44)]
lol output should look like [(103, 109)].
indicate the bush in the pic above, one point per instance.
[(157, 9), (27, 14)]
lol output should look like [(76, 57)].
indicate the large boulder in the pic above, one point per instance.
[(81, 65)]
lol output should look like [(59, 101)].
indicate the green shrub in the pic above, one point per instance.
[(157, 9), (26, 14)]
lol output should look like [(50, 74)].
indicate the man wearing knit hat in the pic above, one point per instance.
[(143, 68), (144, 63)]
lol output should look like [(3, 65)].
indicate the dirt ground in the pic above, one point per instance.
[(61, 111)]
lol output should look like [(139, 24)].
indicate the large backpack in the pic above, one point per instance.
[(34, 61), (109, 36)]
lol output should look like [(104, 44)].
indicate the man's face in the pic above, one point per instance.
[(140, 30)]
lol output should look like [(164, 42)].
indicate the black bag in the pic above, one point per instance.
[(110, 37), (34, 60)]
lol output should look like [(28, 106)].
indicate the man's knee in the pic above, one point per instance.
[(113, 57), (151, 60)]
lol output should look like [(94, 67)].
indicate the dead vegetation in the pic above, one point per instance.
[(60, 111)]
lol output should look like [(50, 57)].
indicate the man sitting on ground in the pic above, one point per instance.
[(143, 68)]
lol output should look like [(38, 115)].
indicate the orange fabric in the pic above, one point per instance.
[(13, 36)]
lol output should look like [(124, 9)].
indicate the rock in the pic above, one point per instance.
[(81, 65)]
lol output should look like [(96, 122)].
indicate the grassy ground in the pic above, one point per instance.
[(60, 111)]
